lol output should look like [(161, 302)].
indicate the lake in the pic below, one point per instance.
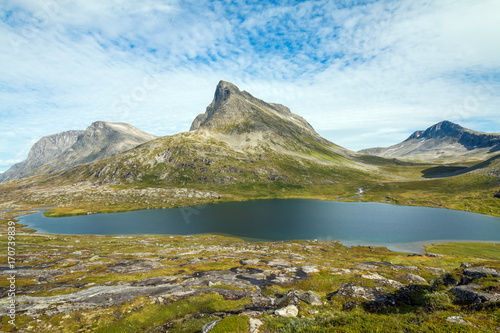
[(402, 228)]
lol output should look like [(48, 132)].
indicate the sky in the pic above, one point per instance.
[(363, 73)]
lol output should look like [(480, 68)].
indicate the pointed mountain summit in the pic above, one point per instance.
[(444, 141), (235, 112), (64, 150)]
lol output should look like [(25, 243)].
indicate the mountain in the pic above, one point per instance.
[(64, 150), (442, 142), (43, 151), (240, 139), (237, 112)]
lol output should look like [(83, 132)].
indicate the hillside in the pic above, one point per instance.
[(42, 152)]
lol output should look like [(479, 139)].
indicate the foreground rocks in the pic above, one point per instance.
[(276, 281)]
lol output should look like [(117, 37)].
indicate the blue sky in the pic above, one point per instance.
[(363, 73)]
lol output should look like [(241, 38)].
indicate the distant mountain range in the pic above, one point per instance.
[(239, 139), (64, 150), (442, 142)]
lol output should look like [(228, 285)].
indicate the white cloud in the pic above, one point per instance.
[(363, 76)]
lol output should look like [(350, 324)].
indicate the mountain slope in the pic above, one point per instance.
[(445, 141), (43, 151), (62, 151)]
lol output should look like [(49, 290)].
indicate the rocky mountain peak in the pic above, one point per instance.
[(440, 130), (233, 111)]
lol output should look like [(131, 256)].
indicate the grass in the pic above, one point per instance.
[(469, 250), (153, 316)]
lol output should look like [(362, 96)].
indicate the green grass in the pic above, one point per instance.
[(232, 324), (467, 250), (152, 316)]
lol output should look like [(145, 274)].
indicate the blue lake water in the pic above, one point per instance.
[(401, 228)]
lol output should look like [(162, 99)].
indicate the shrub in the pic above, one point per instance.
[(437, 301)]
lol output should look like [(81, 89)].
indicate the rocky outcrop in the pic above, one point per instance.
[(352, 290), (444, 140), (480, 272), (471, 294)]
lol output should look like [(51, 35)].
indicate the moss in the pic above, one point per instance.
[(232, 324)]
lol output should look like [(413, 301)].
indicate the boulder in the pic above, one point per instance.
[(309, 269), (245, 262), (264, 302), (436, 271), (310, 297), (412, 278), (351, 290), (480, 272), (288, 311), (383, 280), (279, 263), (469, 294)]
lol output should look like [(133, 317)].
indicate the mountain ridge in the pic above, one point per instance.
[(444, 141)]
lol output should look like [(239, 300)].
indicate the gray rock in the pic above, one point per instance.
[(279, 263), (351, 290), (406, 268), (480, 272), (264, 302), (469, 294), (310, 297), (209, 326), (134, 266), (288, 311), (309, 269), (412, 278), (255, 324), (457, 320), (436, 271), (245, 262), (383, 281)]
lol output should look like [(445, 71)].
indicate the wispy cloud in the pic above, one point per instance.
[(363, 73)]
